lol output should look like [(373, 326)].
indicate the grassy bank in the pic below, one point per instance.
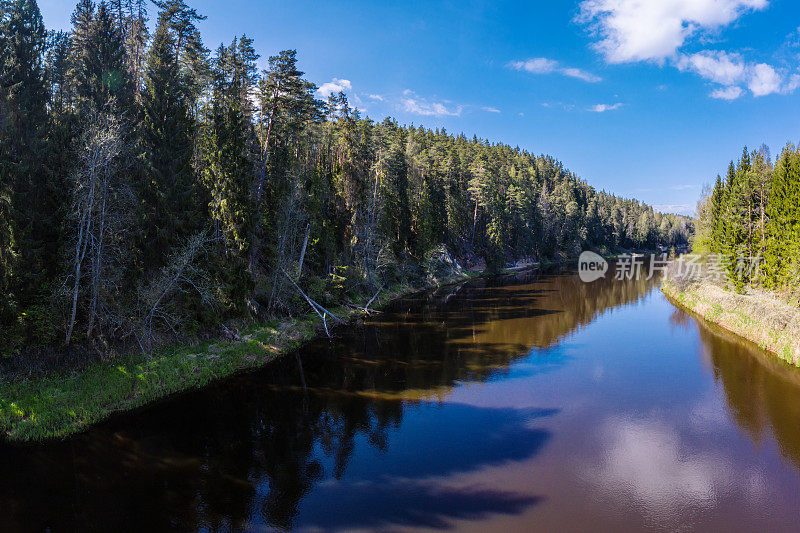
[(61, 404), (759, 317)]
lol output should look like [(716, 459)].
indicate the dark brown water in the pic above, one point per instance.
[(517, 404)]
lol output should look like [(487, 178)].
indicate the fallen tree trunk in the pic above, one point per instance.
[(321, 311)]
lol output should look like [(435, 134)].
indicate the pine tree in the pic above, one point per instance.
[(190, 53), (58, 62), (7, 305), (179, 20), (761, 173), (286, 110)]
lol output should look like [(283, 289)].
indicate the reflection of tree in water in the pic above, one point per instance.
[(473, 331), (216, 459), (762, 392), (251, 450)]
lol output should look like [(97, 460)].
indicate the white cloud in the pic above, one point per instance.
[(727, 93), (654, 30), (376, 97), (792, 84), (558, 105), (731, 71), (537, 65), (542, 65), (417, 105), (764, 80), (491, 109), (681, 209), (334, 86), (602, 108), (719, 67), (581, 75)]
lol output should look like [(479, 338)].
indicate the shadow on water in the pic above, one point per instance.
[(382, 505), (363, 438)]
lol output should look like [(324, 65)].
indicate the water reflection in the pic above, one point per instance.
[(487, 403), (762, 392), (369, 432)]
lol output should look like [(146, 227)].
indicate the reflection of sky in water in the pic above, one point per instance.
[(406, 481), (550, 405), (636, 422)]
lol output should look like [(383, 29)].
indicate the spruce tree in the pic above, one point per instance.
[(717, 205), (169, 195), (100, 62), (29, 236), (783, 228), (228, 161)]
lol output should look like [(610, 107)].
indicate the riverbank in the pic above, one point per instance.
[(758, 317), (61, 404)]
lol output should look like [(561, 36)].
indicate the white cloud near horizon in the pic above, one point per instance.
[(543, 65), (334, 86), (680, 209), (489, 109), (418, 105)]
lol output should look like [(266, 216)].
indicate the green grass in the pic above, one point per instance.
[(768, 321), (62, 404)]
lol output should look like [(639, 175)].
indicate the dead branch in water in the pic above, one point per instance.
[(366, 310)]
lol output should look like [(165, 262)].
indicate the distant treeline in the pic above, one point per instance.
[(754, 212), (148, 185)]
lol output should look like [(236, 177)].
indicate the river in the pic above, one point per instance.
[(526, 402)]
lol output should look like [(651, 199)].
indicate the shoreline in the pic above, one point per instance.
[(62, 404), (764, 320)]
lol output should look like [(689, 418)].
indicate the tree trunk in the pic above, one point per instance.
[(474, 224), (303, 251), (262, 174)]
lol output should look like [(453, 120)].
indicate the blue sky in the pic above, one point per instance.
[(642, 98)]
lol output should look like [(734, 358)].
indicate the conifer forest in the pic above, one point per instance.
[(151, 188)]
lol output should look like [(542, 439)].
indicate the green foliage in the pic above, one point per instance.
[(286, 186), (170, 199), (755, 213), (30, 196), (783, 228), (63, 404)]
